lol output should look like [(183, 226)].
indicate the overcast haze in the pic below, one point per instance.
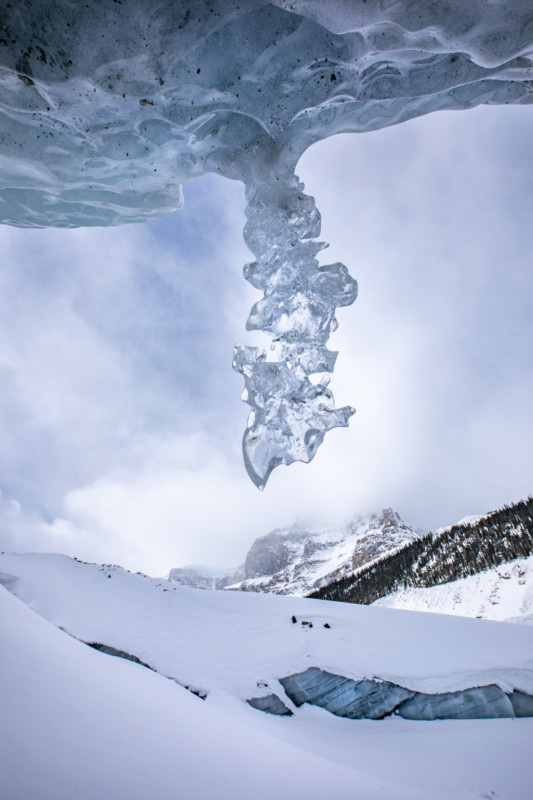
[(120, 414)]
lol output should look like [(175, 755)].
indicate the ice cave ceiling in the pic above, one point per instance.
[(108, 106)]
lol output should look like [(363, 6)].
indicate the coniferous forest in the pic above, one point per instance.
[(456, 552)]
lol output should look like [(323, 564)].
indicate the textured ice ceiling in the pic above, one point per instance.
[(107, 106)]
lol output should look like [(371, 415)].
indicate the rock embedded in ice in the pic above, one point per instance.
[(105, 108)]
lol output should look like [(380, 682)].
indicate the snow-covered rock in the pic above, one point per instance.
[(296, 559)]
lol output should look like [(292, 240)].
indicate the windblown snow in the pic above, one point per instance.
[(106, 108)]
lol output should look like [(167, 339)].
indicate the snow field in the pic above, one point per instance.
[(80, 724)]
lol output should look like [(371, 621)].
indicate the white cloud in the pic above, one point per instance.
[(120, 413)]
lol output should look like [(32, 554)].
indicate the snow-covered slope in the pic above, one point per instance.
[(83, 724), (296, 560), (437, 564), (225, 642), (502, 593), (79, 725)]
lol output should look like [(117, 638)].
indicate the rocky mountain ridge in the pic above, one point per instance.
[(450, 555), (481, 567), (297, 560)]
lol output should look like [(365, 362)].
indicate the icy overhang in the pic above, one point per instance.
[(106, 107)]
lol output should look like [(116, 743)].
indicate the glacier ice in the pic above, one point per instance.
[(376, 699), (113, 651), (480, 702), (106, 108), (522, 703), (271, 704), (365, 699)]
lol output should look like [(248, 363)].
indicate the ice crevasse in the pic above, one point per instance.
[(106, 107)]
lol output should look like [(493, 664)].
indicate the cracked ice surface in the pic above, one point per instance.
[(105, 108)]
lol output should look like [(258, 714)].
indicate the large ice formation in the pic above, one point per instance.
[(106, 107), (377, 699)]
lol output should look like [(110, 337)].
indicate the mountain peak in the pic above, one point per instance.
[(299, 559)]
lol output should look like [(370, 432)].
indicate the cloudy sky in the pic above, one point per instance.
[(120, 415)]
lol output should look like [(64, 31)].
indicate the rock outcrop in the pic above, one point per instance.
[(297, 561)]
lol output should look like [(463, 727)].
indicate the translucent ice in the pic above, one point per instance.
[(290, 414), (105, 108)]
